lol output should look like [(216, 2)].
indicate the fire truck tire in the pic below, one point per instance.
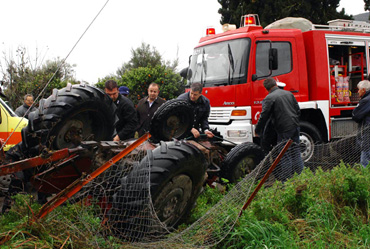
[(177, 173), (173, 119), (241, 160), (69, 116), (309, 136)]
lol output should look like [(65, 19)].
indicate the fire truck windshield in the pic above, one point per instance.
[(223, 63)]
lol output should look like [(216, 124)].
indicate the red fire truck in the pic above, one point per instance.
[(321, 65)]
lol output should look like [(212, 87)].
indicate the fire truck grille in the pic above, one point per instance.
[(219, 116), (343, 127)]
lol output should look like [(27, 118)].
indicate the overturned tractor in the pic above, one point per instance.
[(67, 145)]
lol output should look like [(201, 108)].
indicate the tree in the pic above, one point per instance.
[(147, 66), (139, 79), (143, 56), (367, 5), (20, 76), (317, 11)]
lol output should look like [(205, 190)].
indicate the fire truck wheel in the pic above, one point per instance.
[(309, 136), (241, 160), (173, 119), (70, 115), (177, 173)]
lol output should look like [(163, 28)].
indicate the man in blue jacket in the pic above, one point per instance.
[(361, 114)]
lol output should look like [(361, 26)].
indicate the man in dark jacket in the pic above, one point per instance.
[(283, 109), (126, 113), (201, 107), (361, 114), (147, 107), (23, 109)]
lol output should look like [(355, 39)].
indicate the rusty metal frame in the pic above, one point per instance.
[(35, 161), (77, 185)]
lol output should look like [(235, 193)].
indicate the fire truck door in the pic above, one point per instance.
[(284, 72)]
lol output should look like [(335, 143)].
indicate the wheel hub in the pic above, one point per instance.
[(70, 134), (171, 202), (244, 167), (306, 145), (173, 122)]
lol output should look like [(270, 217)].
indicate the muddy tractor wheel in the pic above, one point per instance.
[(177, 173), (173, 119), (70, 115), (241, 160), (309, 136)]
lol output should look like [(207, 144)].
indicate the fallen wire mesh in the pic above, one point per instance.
[(122, 200)]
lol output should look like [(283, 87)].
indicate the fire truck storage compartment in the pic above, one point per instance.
[(348, 66), (342, 127)]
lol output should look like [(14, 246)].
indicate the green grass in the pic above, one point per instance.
[(312, 210), (69, 226), (321, 210)]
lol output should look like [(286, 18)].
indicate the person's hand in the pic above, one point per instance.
[(209, 134), (195, 133), (116, 138)]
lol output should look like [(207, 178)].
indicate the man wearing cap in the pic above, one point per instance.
[(124, 90), (126, 113), (147, 107)]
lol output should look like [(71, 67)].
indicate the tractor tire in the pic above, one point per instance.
[(241, 160), (70, 115), (309, 136), (173, 119), (177, 173)]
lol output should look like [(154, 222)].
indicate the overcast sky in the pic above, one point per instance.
[(54, 26)]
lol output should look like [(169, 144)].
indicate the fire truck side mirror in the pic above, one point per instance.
[(254, 77), (273, 59), (184, 72)]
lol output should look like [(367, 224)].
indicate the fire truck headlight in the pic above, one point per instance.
[(237, 133)]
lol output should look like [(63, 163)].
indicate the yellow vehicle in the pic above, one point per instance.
[(9, 121)]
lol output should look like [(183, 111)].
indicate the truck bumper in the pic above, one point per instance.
[(239, 131)]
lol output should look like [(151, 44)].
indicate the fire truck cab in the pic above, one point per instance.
[(321, 66)]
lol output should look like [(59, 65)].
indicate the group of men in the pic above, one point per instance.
[(279, 107), (133, 120)]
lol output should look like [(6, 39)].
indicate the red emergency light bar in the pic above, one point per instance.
[(211, 31), (249, 20)]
